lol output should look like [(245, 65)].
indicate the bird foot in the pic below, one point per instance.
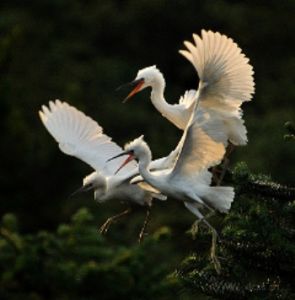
[(105, 226), (216, 264), (213, 256)]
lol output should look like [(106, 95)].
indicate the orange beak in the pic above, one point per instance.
[(128, 159), (139, 83)]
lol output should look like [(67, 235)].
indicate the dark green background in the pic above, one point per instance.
[(81, 51)]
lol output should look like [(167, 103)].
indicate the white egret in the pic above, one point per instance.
[(225, 82), (188, 179), (80, 136)]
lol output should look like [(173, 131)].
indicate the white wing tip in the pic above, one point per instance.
[(219, 61), (42, 116)]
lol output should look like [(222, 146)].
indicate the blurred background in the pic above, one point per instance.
[(81, 51)]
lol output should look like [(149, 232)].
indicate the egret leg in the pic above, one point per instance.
[(195, 226), (224, 167), (145, 223), (230, 148), (106, 225), (194, 209), (218, 179), (213, 256)]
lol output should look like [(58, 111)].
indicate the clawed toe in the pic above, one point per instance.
[(104, 227), (213, 256)]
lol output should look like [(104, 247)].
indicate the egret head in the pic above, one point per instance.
[(147, 77), (137, 149), (94, 181)]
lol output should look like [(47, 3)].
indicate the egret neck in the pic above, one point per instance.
[(173, 113), (143, 166), (157, 97)]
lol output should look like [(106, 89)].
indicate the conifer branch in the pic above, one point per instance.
[(247, 182), (214, 285), (270, 189)]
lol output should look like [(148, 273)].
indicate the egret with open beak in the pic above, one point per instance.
[(128, 159), (137, 84), (80, 136)]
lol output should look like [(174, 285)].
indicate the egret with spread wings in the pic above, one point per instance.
[(225, 82), (188, 179), (80, 136)]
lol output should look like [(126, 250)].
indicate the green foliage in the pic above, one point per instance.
[(257, 246), (256, 251), (80, 51), (78, 263), (261, 184)]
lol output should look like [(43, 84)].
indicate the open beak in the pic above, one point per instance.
[(137, 87), (82, 189), (127, 160)]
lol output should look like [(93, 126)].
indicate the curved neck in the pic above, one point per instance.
[(157, 97), (145, 172)]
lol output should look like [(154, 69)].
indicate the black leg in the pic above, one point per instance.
[(218, 179)]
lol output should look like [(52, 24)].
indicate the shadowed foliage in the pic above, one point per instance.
[(80, 52)]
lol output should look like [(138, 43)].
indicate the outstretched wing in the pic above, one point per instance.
[(200, 147), (80, 136), (226, 77)]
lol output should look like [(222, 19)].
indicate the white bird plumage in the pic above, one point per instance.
[(188, 179), (225, 82), (210, 117), (80, 136), (198, 151)]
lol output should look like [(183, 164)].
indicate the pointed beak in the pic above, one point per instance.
[(119, 155), (82, 189), (127, 160), (137, 87)]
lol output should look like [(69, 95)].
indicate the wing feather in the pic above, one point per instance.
[(220, 64), (200, 147), (188, 98), (80, 136)]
